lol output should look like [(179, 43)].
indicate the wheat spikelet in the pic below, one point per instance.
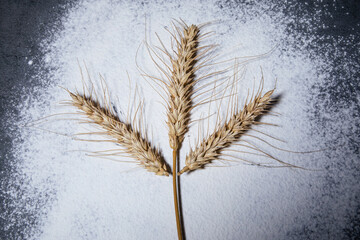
[(210, 148), (134, 144), (181, 84)]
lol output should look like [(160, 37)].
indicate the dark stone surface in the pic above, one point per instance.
[(23, 24)]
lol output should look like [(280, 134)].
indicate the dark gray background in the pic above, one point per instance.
[(23, 24)]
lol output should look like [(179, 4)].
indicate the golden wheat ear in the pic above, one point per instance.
[(132, 141), (181, 83), (179, 67), (229, 132)]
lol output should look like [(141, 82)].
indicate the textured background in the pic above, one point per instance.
[(331, 30)]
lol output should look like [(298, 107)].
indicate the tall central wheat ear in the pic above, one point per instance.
[(181, 84), (228, 133), (134, 144)]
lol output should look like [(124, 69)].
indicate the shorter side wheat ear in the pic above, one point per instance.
[(133, 143), (228, 133)]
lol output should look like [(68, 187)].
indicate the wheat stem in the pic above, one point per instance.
[(175, 190)]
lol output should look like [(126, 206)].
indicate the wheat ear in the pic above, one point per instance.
[(229, 132), (134, 144), (181, 84)]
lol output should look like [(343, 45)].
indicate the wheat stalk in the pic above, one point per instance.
[(134, 144), (180, 89), (229, 132)]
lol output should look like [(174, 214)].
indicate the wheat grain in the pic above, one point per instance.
[(134, 144), (210, 148)]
